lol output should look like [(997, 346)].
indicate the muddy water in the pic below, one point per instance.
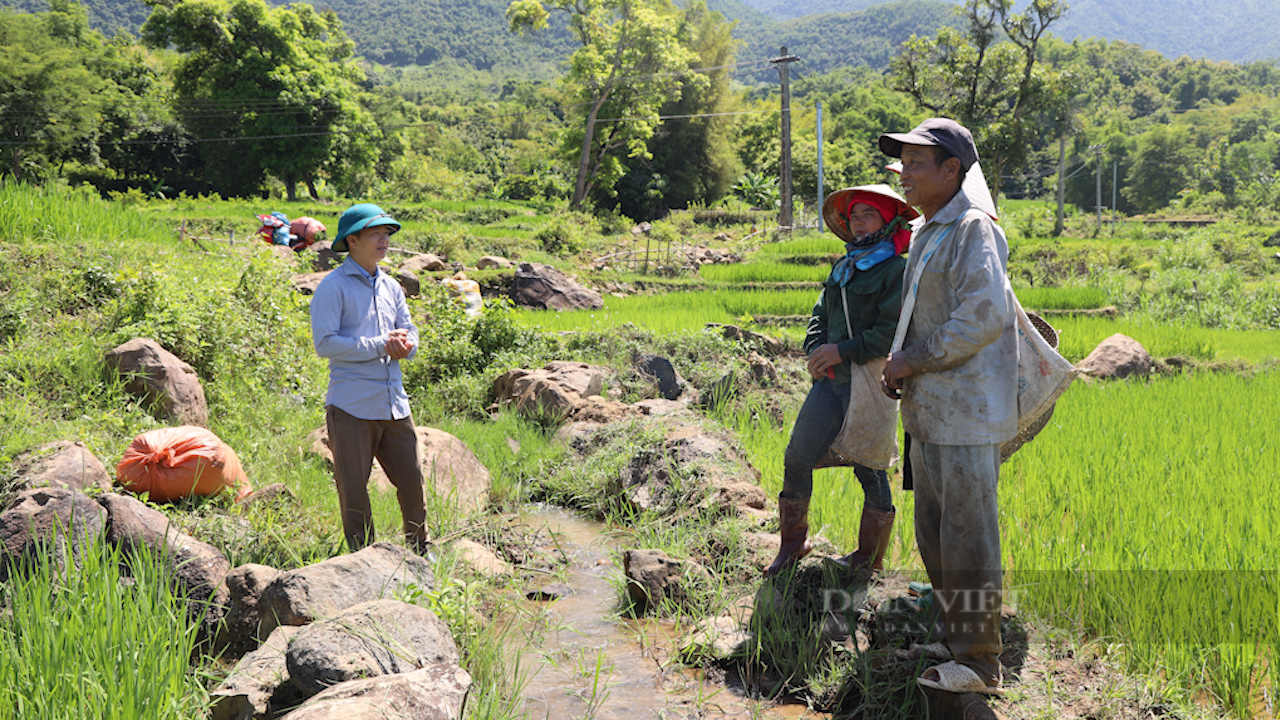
[(580, 660)]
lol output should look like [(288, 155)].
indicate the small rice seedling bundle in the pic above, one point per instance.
[(1061, 298), (764, 272), (1146, 513), (676, 312)]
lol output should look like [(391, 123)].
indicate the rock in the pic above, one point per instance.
[(56, 521), (768, 345), (689, 465), (198, 569), (380, 637), (307, 283), (408, 282), (1116, 357), (62, 464), (659, 406), (480, 559), (544, 287), (670, 384), (577, 435), (762, 370), (493, 261), (245, 584), (275, 494), (324, 589), (157, 376), (653, 578), (449, 468), (550, 592), (437, 692), (714, 641), (599, 410), (426, 262), (556, 391), (325, 258), (258, 686), (641, 228), (284, 252)]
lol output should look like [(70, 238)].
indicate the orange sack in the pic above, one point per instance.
[(177, 462)]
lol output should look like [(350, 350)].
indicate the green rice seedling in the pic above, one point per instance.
[(675, 313), (87, 642), (1061, 298), (814, 245), (764, 272), (1144, 513), (1080, 335)]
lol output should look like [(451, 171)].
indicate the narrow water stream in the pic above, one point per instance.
[(581, 661)]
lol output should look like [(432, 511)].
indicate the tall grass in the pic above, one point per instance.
[(93, 644)]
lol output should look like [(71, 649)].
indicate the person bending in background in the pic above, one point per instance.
[(872, 220), (360, 323)]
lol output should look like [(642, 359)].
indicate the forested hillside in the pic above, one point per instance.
[(852, 39)]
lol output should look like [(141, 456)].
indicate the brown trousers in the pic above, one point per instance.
[(355, 443), (958, 534)]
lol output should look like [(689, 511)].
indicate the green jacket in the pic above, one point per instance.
[(874, 298)]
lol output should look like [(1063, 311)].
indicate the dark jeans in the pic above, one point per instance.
[(816, 427)]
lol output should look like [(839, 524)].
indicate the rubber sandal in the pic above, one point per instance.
[(932, 651), (956, 678)]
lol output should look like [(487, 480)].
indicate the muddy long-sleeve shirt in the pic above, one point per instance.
[(352, 316), (961, 344)]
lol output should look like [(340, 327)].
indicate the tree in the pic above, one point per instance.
[(49, 98), (993, 88), (631, 61), (265, 89), (692, 159)]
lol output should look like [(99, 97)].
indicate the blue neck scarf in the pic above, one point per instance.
[(867, 252)]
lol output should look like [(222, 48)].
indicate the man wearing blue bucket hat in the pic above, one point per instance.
[(360, 323)]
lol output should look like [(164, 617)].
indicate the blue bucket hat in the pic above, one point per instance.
[(357, 218)]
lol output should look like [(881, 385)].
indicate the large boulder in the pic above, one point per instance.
[(62, 464), (408, 282), (449, 469), (56, 521), (544, 287), (1116, 357), (325, 258), (301, 596), (240, 627), (436, 692), (559, 390), (198, 570), (157, 376), (495, 262), (258, 686), (381, 637)]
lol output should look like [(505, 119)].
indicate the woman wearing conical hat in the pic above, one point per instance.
[(873, 222)]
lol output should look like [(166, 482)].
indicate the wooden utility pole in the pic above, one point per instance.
[(784, 216), (1097, 154)]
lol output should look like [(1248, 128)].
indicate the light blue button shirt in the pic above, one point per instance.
[(352, 316)]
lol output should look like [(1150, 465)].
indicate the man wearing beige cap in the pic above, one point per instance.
[(955, 366)]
